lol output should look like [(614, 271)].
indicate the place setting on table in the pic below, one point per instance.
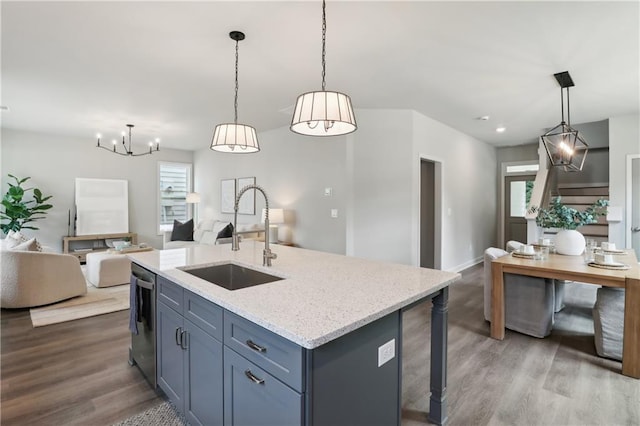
[(539, 251), (603, 257)]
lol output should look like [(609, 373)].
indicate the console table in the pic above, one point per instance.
[(80, 245)]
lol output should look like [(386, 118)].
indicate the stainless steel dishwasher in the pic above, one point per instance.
[(143, 344)]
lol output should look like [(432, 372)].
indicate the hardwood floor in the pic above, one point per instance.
[(76, 373)]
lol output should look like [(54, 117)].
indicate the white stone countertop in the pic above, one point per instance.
[(323, 296)]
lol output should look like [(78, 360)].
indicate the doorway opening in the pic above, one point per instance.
[(430, 214)]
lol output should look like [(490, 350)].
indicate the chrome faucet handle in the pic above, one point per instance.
[(267, 255)]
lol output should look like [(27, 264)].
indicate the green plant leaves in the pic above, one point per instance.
[(560, 216), (17, 212)]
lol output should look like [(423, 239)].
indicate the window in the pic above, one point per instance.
[(174, 183), (523, 168)]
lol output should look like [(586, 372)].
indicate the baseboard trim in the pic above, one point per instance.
[(466, 265)]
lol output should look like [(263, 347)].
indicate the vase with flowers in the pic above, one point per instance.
[(567, 220)]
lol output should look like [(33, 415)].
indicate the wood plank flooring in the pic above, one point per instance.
[(76, 373)]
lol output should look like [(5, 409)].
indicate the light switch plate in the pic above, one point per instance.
[(328, 192), (386, 352), (334, 213)]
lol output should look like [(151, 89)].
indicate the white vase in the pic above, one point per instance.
[(569, 242)]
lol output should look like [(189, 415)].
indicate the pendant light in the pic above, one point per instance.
[(565, 146), (233, 137), (323, 113)]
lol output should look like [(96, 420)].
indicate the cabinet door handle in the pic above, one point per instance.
[(179, 336), (184, 336), (253, 378), (255, 346)]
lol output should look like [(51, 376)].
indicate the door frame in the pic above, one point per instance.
[(507, 208), (438, 208), (629, 196), (503, 174)]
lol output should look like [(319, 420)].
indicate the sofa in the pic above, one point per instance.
[(209, 232)]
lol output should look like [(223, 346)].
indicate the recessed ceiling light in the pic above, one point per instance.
[(500, 129)]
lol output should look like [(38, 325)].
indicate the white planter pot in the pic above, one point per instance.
[(569, 242)]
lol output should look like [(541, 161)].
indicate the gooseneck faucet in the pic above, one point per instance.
[(267, 255)]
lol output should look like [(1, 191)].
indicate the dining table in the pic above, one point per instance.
[(575, 268)]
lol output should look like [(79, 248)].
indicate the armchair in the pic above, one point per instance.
[(38, 278)]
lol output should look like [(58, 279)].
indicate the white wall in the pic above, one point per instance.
[(469, 204), (624, 139), (380, 222), (53, 162), (374, 174), (294, 170)]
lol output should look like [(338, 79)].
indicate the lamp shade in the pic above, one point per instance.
[(193, 198), (566, 147), (235, 138), (275, 216), (323, 113)]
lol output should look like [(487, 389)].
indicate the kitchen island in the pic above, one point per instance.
[(334, 323)]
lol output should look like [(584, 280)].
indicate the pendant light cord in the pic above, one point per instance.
[(568, 109), (324, 39), (235, 102)]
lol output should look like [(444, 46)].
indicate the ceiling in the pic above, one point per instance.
[(79, 68)]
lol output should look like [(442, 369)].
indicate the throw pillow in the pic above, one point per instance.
[(203, 226), (182, 231), (29, 245), (13, 239), (226, 232)]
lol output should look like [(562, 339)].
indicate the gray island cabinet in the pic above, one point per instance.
[(322, 346)]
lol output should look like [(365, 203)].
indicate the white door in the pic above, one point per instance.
[(634, 185)]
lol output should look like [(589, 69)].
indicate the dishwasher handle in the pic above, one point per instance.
[(145, 284)]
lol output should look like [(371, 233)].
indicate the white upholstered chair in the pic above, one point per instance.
[(31, 278), (608, 322), (559, 284), (529, 301)]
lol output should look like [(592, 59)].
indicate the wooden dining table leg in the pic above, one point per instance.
[(631, 339), (497, 301)]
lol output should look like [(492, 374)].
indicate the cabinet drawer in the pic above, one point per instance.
[(277, 355), (254, 397), (171, 294), (203, 313)]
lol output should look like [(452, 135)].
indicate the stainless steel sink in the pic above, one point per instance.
[(232, 276)]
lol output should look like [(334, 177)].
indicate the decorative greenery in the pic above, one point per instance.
[(560, 216), (19, 212)]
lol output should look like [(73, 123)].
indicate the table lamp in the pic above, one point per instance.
[(276, 216), (193, 198)]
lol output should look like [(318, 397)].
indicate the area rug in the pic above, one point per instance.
[(164, 414), (97, 301)]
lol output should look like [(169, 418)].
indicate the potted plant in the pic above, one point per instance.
[(18, 212), (567, 219)]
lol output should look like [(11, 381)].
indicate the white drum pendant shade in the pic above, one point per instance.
[(323, 113), (235, 138)]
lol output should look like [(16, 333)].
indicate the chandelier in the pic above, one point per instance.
[(565, 146), (233, 137), (127, 147), (323, 113)]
